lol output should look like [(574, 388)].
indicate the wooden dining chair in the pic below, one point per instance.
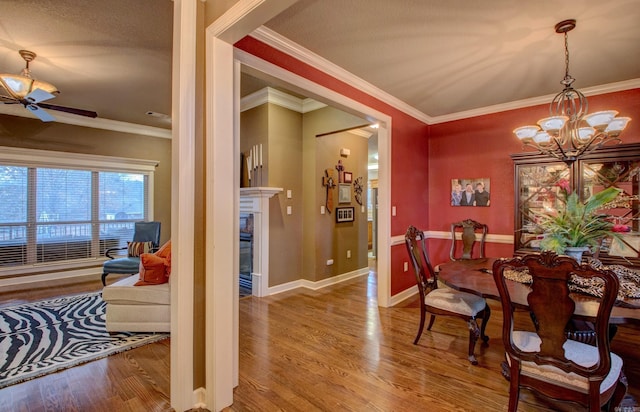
[(546, 360), (444, 301), (468, 229)]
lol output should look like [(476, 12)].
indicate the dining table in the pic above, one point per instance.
[(475, 276)]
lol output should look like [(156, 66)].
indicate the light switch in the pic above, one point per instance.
[(393, 210), (289, 211), (289, 194), (322, 210)]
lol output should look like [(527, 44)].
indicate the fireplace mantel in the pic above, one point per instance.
[(255, 200)]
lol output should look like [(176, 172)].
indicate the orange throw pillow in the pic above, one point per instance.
[(165, 252), (153, 270)]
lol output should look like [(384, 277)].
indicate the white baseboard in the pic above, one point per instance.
[(70, 275), (304, 283), (404, 295)]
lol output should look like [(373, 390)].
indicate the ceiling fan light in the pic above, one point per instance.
[(20, 86)]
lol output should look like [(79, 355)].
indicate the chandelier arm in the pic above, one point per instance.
[(542, 150), (564, 154)]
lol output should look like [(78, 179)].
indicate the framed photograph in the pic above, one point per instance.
[(470, 192), (344, 193), (348, 177), (345, 214)]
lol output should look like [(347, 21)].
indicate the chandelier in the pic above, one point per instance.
[(570, 132)]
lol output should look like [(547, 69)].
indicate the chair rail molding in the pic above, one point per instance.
[(255, 200)]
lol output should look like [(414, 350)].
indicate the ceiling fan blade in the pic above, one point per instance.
[(71, 110), (8, 100), (41, 114), (38, 95)]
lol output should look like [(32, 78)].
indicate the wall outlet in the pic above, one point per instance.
[(406, 266), (329, 262), (322, 210), (289, 194), (348, 254), (289, 210)]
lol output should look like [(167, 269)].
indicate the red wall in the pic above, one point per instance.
[(480, 147), (422, 169)]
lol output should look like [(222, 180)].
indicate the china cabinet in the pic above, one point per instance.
[(536, 179)]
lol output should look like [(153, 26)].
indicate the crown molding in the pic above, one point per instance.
[(274, 96), (287, 46), (361, 133), (97, 123), (281, 43), (535, 101)]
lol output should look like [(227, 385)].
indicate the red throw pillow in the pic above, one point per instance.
[(153, 270)]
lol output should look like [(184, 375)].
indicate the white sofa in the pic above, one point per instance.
[(137, 308)]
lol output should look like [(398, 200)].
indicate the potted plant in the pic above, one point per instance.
[(578, 227)]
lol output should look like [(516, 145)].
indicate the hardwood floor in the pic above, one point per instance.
[(326, 350)]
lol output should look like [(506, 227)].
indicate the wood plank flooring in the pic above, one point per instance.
[(326, 350)]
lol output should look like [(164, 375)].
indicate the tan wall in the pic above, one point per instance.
[(284, 167), (33, 134), (324, 240), (295, 159)]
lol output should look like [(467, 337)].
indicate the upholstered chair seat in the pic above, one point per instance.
[(455, 301), (581, 353)]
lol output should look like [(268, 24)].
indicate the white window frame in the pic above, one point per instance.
[(21, 157)]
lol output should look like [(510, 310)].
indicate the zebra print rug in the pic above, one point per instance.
[(43, 337)]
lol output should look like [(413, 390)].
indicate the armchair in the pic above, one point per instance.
[(143, 232)]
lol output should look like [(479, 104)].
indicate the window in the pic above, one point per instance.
[(56, 213)]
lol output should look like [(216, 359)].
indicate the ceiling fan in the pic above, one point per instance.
[(24, 89)]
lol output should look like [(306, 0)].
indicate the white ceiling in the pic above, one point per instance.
[(437, 56), (109, 56)]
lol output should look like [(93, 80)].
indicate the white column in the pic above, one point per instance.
[(183, 202)]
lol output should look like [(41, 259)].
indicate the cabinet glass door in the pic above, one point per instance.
[(624, 211), (537, 193)]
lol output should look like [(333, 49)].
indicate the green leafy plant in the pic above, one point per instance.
[(578, 224)]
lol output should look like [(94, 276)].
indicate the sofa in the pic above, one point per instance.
[(137, 308)]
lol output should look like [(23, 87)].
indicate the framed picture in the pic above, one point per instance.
[(348, 177), (344, 193), (470, 192), (345, 214)]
